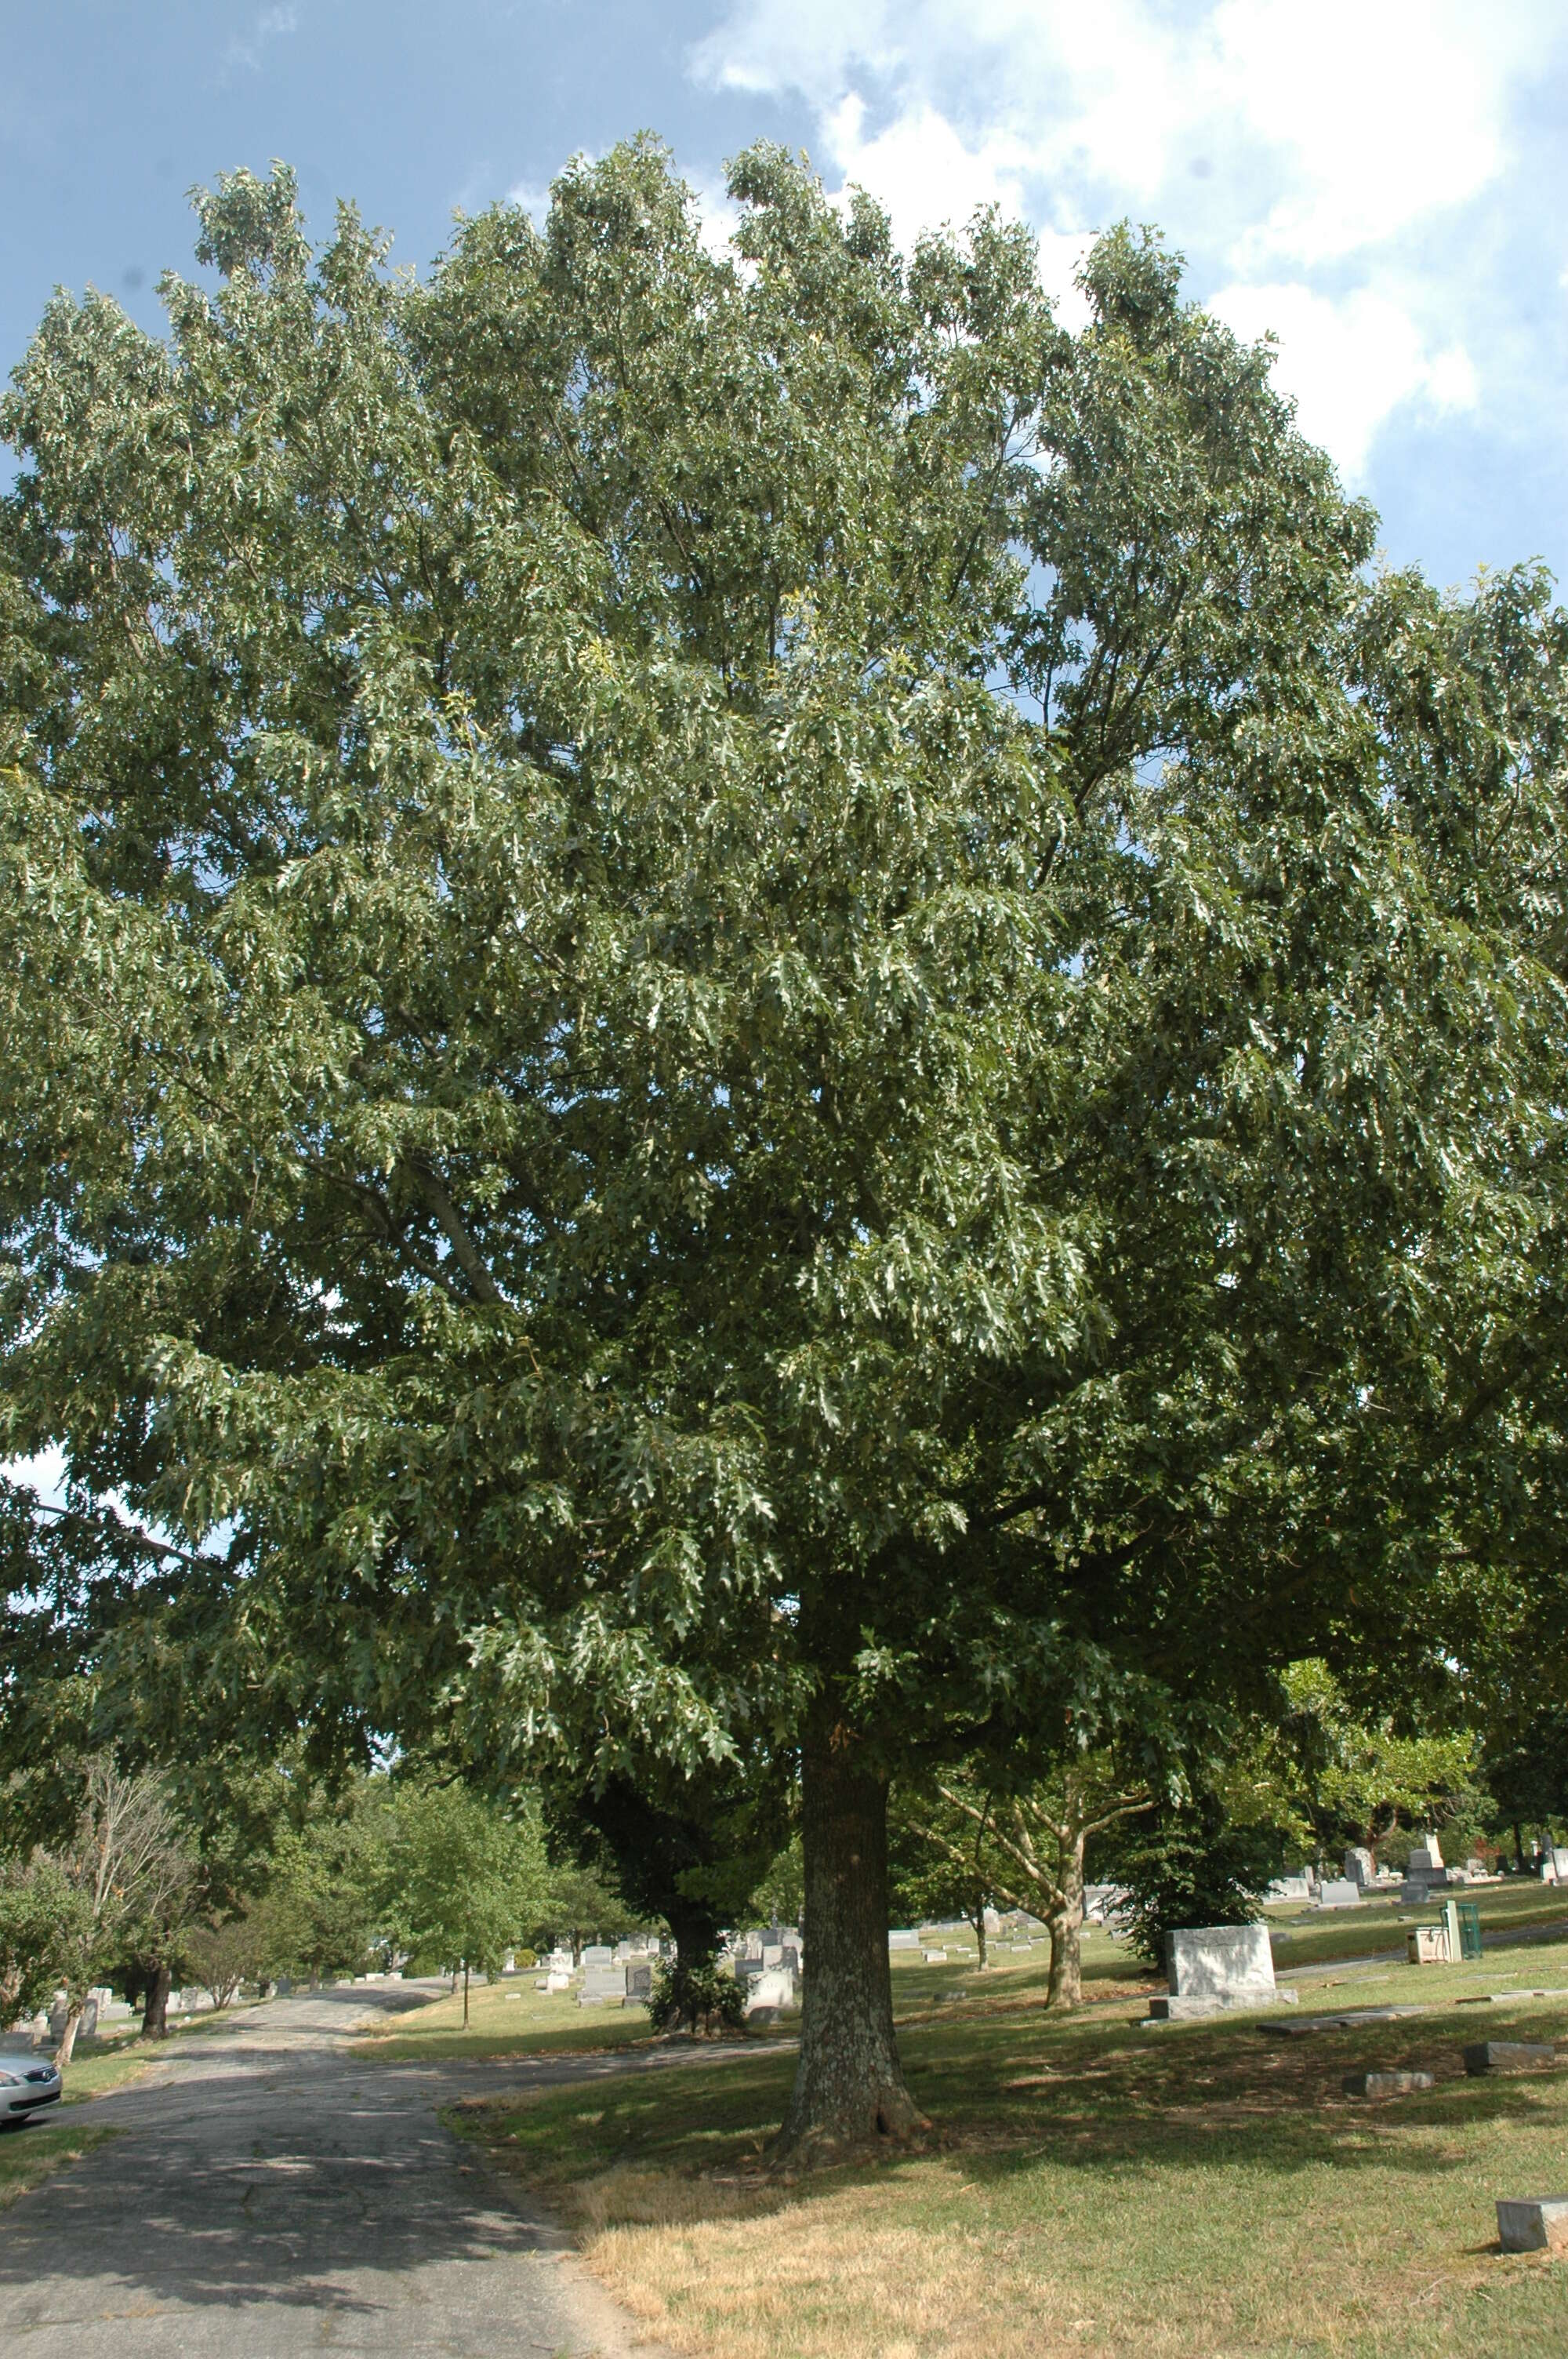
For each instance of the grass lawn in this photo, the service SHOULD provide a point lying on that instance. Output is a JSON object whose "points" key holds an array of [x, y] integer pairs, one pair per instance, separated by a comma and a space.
{"points": [[43, 2148], [1090, 2187], [1301, 1936], [505, 2019]]}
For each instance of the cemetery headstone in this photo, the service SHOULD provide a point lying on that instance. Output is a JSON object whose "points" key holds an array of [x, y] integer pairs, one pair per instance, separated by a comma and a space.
{"points": [[604, 1985], [1536, 2224], [1509, 2056], [1339, 1892], [773, 1988], [1385, 2084], [638, 1980], [1213, 1969], [905, 1938], [1360, 1867], [598, 1953]]}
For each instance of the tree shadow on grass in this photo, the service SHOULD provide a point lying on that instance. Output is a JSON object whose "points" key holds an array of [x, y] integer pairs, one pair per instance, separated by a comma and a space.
{"points": [[680, 2157]]}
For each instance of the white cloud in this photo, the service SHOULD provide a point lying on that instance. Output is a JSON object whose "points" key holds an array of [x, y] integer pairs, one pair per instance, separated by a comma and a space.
{"points": [[919, 167], [531, 198], [1349, 363], [268, 25], [1284, 145]]}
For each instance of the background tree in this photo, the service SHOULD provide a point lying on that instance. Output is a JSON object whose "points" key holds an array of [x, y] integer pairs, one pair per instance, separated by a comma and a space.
{"points": [[44, 1923], [1524, 1764], [584, 1905], [227, 1955], [735, 1006], [1190, 1862], [937, 1862], [463, 1882], [689, 1851], [1356, 1781], [1030, 1843], [129, 1876]]}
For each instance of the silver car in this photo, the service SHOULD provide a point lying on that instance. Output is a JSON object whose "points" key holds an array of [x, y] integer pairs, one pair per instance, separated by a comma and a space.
{"points": [[26, 2088]]}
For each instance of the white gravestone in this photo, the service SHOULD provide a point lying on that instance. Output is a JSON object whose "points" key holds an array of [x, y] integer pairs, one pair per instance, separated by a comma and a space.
{"points": [[904, 1938], [604, 1985], [598, 1953], [773, 1988], [1216, 1967], [1360, 1867], [1338, 1892]]}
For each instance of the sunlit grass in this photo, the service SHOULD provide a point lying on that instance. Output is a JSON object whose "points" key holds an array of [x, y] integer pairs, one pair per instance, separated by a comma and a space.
{"points": [[505, 2019]]}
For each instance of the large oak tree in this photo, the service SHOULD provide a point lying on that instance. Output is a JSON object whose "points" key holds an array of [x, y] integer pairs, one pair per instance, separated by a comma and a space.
{"points": [[731, 1018]]}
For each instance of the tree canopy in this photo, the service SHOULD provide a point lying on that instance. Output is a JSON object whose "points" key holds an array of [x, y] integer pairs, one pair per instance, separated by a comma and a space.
{"points": [[740, 1010]]}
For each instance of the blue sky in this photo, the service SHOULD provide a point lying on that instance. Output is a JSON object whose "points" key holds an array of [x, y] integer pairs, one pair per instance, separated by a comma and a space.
{"points": [[1382, 183]]}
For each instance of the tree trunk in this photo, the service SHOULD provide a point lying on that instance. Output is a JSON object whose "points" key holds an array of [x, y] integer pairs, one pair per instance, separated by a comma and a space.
{"points": [[848, 2086], [1065, 1924], [576, 1947], [155, 2014], [978, 1921], [465, 1994], [696, 1931], [1519, 1847], [68, 2038]]}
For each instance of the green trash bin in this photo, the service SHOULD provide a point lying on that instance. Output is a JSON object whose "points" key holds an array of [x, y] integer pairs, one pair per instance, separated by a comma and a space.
{"points": [[1464, 1930]]}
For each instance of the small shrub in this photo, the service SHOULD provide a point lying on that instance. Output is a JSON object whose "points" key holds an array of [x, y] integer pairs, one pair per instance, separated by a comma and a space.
{"points": [[698, 1999]]}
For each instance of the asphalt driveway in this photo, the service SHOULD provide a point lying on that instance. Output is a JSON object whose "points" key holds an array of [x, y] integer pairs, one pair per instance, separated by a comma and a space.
{"points": [[274, 2194]]}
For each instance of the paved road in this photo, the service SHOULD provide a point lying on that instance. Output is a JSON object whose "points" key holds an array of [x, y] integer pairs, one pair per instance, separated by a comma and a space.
{"points": [[275, 2195]]}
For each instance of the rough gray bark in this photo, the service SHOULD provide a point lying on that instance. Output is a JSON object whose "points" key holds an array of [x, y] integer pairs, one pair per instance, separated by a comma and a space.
{"points": [[848, 2086], [1064, 1922], [155, 2011]]}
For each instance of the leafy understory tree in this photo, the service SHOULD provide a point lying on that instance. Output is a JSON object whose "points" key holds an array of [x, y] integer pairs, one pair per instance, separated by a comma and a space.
{"points": [[1193, 1861], [748, 1006], [463, 1882]]}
